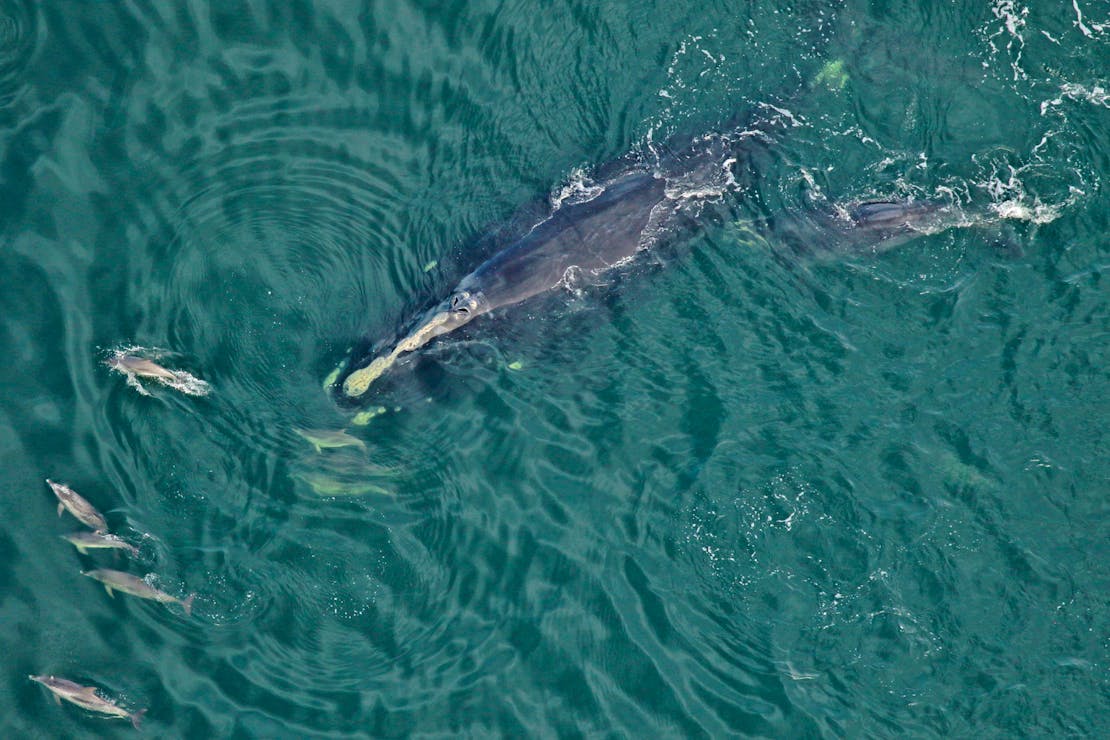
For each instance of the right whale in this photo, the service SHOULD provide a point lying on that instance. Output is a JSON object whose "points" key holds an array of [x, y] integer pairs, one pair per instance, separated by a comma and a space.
{"points": [[630, 208]]}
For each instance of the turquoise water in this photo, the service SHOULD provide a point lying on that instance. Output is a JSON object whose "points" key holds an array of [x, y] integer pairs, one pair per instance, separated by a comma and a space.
{"points": [[728, 490]]}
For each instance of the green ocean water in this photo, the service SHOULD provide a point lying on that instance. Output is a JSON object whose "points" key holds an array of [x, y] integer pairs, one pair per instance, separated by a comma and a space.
{"points": [[735, 488]]}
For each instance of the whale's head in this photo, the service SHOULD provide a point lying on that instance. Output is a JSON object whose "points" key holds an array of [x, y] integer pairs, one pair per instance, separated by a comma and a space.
{"points": [[461, 308]]}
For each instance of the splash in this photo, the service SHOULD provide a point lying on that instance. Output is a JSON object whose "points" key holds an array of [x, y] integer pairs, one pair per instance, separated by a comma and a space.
{"points": [[1096, 95], [1010, 199], [1036, 212], [578, 188]]}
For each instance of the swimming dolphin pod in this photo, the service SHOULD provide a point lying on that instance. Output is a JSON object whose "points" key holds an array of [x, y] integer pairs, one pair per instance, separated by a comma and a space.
{"points": [[620, 214]]}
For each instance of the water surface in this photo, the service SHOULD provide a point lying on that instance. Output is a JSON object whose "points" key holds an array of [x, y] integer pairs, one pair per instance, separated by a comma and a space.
{"points": [[730, 490]]}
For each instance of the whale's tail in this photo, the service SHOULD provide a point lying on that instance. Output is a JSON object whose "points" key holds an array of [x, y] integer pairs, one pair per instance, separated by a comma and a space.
{"points": [[881, 225], [875, 226]]}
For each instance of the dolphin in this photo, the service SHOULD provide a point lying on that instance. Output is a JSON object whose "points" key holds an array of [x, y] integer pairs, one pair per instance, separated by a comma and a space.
{"points": [[85, 541], [134, 365], [115, 580], [625, 212], [87, 697], [76, 504]]}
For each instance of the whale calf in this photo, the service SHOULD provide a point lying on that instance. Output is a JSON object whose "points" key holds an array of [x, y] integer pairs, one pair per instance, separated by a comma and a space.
{"points": [[623, 213]]}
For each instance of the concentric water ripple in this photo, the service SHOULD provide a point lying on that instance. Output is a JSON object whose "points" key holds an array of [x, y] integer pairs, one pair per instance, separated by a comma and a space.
{"points": [[19, 38], [755, 483]]}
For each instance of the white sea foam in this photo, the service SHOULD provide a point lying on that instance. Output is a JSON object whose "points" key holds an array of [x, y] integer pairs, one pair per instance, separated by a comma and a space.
{"points": [[1036, 212], [1096, 95], [1012, 23], [577, 189], [1089, 28]]}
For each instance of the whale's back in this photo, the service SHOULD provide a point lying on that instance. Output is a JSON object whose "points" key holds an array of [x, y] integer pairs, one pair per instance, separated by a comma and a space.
{"points": [[588, 235]]}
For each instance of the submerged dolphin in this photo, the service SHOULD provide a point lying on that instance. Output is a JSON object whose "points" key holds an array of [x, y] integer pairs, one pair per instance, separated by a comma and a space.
{"points": [[625, 213], [87, 697]]}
